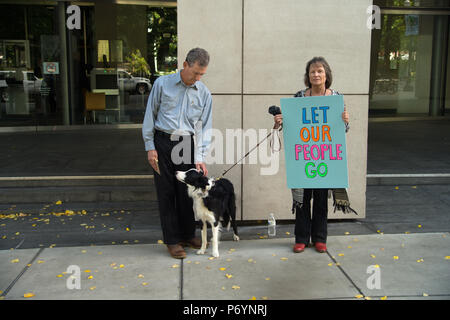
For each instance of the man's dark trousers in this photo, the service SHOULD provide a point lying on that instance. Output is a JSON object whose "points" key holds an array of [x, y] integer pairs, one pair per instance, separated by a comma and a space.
{"points": [[314, 227], [175, 206]]}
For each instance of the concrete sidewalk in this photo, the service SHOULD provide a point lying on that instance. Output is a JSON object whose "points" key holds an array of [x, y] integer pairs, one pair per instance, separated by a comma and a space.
{"points": [[409, 266]]}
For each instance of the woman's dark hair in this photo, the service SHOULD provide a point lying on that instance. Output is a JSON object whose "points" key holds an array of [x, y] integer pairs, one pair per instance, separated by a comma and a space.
{"points": [[326, 66]]}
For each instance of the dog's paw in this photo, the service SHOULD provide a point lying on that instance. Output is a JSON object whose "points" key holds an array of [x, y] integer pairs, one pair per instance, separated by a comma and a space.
{"points": [[201, 251], [215, 254], [235, 237]]}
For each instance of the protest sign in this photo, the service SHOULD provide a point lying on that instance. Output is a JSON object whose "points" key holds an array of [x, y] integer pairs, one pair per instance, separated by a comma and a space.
{"points": [[314, 139]]}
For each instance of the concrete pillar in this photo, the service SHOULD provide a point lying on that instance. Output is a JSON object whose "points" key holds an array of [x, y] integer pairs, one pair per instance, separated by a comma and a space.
{"points": [[259, 49]]}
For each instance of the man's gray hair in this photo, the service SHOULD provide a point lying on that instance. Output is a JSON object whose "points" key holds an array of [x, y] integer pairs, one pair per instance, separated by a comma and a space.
{"points": [[199, 55]]}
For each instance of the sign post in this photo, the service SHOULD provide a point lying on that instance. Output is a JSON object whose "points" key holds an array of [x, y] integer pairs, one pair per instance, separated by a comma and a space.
{"points": [[315, 144]]}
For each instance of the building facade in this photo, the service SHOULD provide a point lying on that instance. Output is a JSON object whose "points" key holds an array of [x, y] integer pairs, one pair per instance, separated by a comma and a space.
{"points": [[87, 63]]}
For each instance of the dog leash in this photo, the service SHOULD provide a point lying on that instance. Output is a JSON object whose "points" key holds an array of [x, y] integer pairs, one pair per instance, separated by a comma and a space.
{"points": [[255, 147]]}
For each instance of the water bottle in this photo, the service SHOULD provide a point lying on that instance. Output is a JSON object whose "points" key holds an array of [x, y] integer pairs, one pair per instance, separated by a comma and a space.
{"points": [[272, 226]]}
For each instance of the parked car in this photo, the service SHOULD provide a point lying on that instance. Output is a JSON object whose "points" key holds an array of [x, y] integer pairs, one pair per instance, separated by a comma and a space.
{"points": [[129, 83], [31, 84], [4, 96]]}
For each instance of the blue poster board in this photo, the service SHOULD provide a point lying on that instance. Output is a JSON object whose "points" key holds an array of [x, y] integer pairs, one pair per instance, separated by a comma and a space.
{"points": [[314, 139]]}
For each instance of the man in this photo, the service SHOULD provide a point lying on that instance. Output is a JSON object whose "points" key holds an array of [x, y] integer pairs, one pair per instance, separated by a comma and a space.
{"points": [[179, 107]]}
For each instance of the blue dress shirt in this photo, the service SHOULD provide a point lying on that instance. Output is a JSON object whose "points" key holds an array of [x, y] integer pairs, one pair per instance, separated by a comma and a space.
{"points": [[175, 108]]}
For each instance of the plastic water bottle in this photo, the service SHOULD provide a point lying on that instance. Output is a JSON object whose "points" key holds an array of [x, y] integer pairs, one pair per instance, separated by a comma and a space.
{"points": [[272, 226]]}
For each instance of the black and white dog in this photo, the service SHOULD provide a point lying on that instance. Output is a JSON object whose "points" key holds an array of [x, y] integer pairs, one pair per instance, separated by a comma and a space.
{"points": [[214, 202]]}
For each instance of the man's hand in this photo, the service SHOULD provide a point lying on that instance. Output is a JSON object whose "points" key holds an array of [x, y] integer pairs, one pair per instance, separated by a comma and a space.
{"points": [[152, 156], [201, 166]]}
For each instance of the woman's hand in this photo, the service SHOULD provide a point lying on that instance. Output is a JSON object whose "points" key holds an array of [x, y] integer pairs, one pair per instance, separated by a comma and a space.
{"points": [[345, 115], [278, 119]]}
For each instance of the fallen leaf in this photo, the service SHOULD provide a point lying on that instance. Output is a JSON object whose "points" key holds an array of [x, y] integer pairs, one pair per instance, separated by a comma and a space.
{"points": [[14, 260], [250, 260], [121, 266], [92, 288], [253, 298], [347, 233], [144, 283], [395, 257], [58, 202], [176, 265], [373, 256], [359, 296], [90, 277], [222, 269], [447, 258], [340, 254], [420, 260], [383, 298], [235, 287], [284, 259], [267, 279], [425, 294], [140, 276], [160, 242], [28, 295], [229, 276], [419, 226]]}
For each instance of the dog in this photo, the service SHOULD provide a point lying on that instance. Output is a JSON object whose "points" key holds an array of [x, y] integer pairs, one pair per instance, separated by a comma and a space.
{"points": [[214, 201]]}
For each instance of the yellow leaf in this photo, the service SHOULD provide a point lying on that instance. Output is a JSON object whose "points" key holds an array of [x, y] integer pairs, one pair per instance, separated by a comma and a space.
{"points": [[347, 233], [373, 256], [264, 298], [92, 288], [359, 296], [144, 283], [425, 294], [368, 298], [128, 229], [160, 242], [28, 295], [140, 276], [90, 277], [253, 298], [87, 270], [222, 269], [228, 276], [447, 258], [349, 247], [235, 287], [14, 260], [267, 279], [59, 276], [288, 233], [340, 254], [284, 259], [395, 257], [383, 298], [250, 260], [175, 265], [330, 264], [121, 266], [58, 202], [419, 226]]}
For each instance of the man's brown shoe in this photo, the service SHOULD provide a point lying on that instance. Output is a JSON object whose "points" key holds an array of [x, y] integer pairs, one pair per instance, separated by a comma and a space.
{"points": [[195, 243], [176, 251]]}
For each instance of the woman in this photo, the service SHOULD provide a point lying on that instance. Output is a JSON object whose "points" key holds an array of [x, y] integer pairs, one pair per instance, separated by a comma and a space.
{"points": [[318, 79]]}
